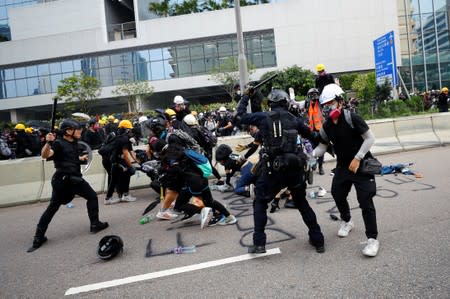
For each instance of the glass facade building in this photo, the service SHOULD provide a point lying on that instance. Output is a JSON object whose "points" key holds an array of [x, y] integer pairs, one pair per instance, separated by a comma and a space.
{"points": [[424, 43], [163, 62]]}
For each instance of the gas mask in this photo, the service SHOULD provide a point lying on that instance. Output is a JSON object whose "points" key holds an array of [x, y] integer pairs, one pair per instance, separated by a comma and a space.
{"points": [[332, 111]]}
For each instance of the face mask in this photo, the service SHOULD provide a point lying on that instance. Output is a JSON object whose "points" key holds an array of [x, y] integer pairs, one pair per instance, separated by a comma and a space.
{"points": [[331, 111], [238, 92]]}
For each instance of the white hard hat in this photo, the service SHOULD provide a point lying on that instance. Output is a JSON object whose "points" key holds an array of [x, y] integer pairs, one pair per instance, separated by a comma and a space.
{"points": [[142, 119], [222, 109], [330, 92], [178, 100], [190, 120]]}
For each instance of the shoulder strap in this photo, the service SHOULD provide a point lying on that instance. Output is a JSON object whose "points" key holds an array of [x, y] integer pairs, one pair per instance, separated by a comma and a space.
{"points": [[348, 118]]}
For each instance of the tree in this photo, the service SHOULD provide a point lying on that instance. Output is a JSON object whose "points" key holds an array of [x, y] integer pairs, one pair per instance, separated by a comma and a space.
{"points": [[346, 81], [186, 7], [365, 86], [134, 91], [227, 73], [79, 91], [296, 77], [162, 9]]}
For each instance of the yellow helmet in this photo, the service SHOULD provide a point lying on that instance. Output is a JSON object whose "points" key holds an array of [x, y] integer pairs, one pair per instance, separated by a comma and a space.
{"points": [[29, 130], [170, 112], [101, 121], [116, 121], [125, 124], [19, 127], [320, 67], [444, 89], [194, 113], [111, 117]]}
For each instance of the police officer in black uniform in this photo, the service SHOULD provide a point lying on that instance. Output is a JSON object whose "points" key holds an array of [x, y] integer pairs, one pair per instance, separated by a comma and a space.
{"points": [[281, 165], [67, 180]]}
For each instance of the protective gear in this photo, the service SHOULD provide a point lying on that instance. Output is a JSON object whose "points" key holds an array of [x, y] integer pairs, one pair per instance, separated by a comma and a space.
{"points": [[190, 120], [223, 152], [170, 113], [320, 67], [313, 94], [178, 100], [125, 124], [330, 92], [29, 130], [222, 109], [444, 89], [157, 125], [109, 247], [278, 96], [142, 119], [19, 127], [92, 122], [194, 113], [111, 118], [240, 147], [69, 124]]}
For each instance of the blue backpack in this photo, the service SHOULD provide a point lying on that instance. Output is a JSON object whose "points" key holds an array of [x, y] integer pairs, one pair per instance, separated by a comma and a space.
{"points": [[200, 161]]}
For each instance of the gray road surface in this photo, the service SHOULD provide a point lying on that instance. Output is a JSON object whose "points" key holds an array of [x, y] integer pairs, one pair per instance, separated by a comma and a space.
{"points": [[413, 262]]}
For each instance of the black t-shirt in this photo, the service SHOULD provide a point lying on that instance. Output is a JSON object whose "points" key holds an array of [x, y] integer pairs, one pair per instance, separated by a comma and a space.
{"points": [[346, 141], [122, 142], [66, 157], [223, 122], [324, 80]]}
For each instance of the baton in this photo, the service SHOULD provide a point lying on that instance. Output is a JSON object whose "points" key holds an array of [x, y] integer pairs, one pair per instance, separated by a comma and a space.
{"points": [[55, 103], [265, 81]]}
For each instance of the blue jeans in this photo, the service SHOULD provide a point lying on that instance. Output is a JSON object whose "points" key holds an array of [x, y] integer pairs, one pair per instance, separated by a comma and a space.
{"points": [[246, 179]]}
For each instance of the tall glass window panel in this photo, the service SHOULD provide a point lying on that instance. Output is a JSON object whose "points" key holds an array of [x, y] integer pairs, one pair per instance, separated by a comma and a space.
{"points": [[169, 70], [55, 68], [225, 48], [210, 50], [10, 87], [9, 74], [440, 5], [105, 76], [31, 71], [415, 6], [155, 54], [182, 51], [168, 53], [198, 66], [142, 72], [33, 86], [89, 65], [104, 61], [140, 56], [45, 85], [211, 63], [419, 77], [67, 66], [269, 58], [255, 59], [20, 72], [43, 69], [267, 42], [253, 44], [3, 14], [196, 51], [76, 65], [157, 69], [117, 59], [234, 46], [22, 90], [184, 67], [122, 73], [426, 6], [55, 82]]}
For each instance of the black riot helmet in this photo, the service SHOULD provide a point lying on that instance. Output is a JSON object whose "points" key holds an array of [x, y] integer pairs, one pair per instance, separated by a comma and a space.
{"points": [[157, 125], [109, 247], [313, 94], [69, 124], [223, 152], [278, 98]]}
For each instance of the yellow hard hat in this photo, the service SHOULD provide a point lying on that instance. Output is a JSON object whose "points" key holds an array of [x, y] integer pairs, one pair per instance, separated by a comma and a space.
{"points": [[194, 113], [19, 127], [101, 121], [320, 67], [111, 117], [444, 89], [29, 130], [125, 124]]}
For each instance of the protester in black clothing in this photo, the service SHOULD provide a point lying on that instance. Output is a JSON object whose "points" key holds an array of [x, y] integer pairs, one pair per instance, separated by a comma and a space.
{"points": [[352, 140], [111, 126], [92, 136], [180, 107], [22, 142], [443, 100], [67, 180], [323, 78], [281, 165], [224, 124]]}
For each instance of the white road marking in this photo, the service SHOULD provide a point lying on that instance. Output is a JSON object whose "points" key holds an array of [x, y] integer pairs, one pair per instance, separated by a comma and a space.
{"points": [[163, 273]]}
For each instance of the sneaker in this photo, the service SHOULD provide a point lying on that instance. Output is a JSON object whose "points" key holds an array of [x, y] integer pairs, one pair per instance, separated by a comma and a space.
{"points": [[257, 249], [111, 200], [128, 198], [204, 216], [319, 248], [98, 226], [345, 228], [37, 242], [166, 215], [215, 219], [371, 248], [322, 192], [228, 220]]}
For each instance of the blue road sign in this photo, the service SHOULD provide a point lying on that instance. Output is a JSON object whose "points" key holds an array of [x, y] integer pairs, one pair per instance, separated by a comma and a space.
{"points": [[385, 61]]}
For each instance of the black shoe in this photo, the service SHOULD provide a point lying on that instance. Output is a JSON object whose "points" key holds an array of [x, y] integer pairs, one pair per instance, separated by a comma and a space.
{"points": [[98, 226], [319, 248], [290, 204], [274, 205], [257, 249], [37, 242], [321, 171]]}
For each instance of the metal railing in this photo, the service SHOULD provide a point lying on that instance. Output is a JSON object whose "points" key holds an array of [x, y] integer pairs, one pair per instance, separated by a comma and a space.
{"points": [[121, 31]]}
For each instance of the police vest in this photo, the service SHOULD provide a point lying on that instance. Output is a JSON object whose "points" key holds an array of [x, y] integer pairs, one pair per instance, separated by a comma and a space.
{"points": [[282, 135]]}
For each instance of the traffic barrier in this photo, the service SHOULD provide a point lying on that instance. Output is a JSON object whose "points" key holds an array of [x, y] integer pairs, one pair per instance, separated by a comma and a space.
{"points": [[27, 180]]}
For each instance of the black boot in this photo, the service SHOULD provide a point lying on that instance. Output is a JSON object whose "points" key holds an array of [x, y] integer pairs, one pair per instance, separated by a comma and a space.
{"points": [[321, 171], [38, 240], [257, 249], [289, 204], [98, 226], [274, 205], [319, 248]]}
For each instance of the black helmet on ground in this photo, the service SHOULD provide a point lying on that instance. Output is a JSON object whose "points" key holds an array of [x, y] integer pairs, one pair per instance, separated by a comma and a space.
{"points": [[69, 124], [223, 152], [109, 247]]}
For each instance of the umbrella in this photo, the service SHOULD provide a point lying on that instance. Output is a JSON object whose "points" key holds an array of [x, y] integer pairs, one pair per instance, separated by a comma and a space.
{"points": [[81, 115]]}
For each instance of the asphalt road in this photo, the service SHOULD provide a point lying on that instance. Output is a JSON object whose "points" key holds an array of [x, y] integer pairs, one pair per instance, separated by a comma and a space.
{"points": [[413, 261]]}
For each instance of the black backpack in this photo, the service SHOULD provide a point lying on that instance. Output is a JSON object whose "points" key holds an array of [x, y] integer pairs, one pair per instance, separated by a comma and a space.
{"points": [[107, 148], [208, 136]]}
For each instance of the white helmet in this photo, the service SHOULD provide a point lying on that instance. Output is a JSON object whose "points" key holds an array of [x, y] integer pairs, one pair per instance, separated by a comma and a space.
{"points": [[190, 120], [330, 92], [142, 119], [178, 100], [222, 109]]}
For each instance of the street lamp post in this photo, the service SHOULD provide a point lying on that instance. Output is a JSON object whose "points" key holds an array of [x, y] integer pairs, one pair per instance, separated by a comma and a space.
{"points": [[243, 72]]}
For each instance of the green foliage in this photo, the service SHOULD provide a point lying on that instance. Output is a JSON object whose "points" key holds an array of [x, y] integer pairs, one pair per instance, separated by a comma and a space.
{"points": [[415, 104], [383, 92], [365, 85], [212, 107], [346, 81], [79, 92], [162, 9], [296, 77], [227, 74], [186, 7], [133, 91]]}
